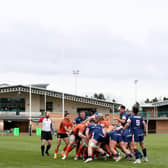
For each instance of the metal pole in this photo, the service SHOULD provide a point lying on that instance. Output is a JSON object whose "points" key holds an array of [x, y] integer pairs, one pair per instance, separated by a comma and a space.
{"points": [[30, 111], [147, 126], [76, 84], [63, 109], [45, 102], [113, 114], [136, 90]]}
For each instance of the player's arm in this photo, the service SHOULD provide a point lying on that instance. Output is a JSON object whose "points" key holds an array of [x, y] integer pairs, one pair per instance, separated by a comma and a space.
{"points": [[87, 133], [68, 130], [127, 124], [80, 134], [120, 120], [144, 126], [41, 120], [53, 128]]}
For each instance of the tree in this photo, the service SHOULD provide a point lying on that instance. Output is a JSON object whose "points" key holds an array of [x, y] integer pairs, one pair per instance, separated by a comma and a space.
{"points": [[155, 100], [113, 100], [101, 96], [95, 96], [147, 101], [165, 98]]}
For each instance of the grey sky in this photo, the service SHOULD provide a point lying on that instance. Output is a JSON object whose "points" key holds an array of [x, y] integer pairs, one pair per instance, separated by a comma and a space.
{"points": [[111, 42]]}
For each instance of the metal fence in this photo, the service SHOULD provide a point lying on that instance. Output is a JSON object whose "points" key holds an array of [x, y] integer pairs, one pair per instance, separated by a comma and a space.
{"points": [[155, 115]]}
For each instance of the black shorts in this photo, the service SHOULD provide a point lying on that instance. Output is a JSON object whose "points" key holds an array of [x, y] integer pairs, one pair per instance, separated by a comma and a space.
{"points": [[62, 135], [76, 136], [46, 135]]}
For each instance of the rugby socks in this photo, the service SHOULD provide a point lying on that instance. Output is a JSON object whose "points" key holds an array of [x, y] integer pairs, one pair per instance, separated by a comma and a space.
{"points": [[116, 155], [108, 150], [64, 149], [144, 152], [48, 147], [89, 156], [68, 150], [79, 151], [104, 154], [84, 155], [137, 154], [42, 149], [56, 151]]}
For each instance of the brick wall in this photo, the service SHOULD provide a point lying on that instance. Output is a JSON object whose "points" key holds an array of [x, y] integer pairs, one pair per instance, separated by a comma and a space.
{"points": [[162, 126], [1, 125]]}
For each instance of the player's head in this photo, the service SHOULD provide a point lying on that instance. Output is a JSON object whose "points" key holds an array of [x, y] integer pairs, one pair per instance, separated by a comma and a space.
{"points": [[82, 114], [98, 117], [122, 109], [67, 115], [107, 117], [92, 121], [135, 109], [47, 114]]}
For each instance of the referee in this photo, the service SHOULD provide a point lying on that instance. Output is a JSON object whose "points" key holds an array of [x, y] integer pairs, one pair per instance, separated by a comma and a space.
{"points": [[46, 135]]}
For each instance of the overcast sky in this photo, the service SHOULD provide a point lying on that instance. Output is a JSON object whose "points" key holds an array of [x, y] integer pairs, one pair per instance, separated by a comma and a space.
{"points": [[111, 42]]}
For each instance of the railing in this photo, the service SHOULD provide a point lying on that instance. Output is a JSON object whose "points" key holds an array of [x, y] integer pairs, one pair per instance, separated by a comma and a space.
{"points": [[155, 115], [18, 115]]}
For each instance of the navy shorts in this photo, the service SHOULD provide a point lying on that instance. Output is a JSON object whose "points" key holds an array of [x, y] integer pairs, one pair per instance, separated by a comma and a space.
{"points": [[98, 137], [115, 136], [138, 137], [127, 136]]}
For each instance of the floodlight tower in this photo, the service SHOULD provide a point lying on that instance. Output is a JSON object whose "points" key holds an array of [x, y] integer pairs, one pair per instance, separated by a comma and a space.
{"points": [[76, 74]]}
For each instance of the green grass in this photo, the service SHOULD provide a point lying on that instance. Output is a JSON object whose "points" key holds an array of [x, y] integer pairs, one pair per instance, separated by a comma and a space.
{"points": [[25, 152]]}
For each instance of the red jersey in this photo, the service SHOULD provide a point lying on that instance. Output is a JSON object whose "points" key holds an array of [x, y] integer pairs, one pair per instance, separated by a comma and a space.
{"points": [[79, 127], [104, 123], [64, 123]]}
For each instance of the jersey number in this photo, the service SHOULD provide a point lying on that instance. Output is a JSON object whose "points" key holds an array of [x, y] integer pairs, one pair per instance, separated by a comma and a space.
{"points": [[137, 122]]}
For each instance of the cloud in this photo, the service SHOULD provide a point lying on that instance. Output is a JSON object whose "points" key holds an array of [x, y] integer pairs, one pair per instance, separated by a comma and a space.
{"points": [[112, 43]]}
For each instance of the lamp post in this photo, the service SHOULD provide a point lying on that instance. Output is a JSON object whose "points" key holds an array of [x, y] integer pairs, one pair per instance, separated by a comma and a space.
{"points": [[136, 90], [76, 73], [30, 111]]}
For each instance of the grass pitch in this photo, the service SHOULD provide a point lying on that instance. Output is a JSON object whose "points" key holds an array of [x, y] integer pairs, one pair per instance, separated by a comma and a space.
{"points": [[25, 152]]}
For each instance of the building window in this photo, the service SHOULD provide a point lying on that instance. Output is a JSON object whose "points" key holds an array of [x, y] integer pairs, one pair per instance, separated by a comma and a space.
{"points": [[12, 104], [49, 106]]}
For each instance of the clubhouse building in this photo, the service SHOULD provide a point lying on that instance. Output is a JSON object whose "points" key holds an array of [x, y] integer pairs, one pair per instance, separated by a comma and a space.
{"points": [[156, 115], [20, 103]]}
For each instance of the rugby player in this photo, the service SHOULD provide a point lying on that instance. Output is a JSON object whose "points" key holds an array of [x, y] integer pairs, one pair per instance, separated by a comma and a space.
{"points": [[138, 128], [64, 130]]}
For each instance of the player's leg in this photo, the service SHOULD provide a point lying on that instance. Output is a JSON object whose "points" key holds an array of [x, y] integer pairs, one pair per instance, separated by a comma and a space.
{"points": [[137, 153], [102, 151], [113, 144], [57, 147], [128, 146], [48, 146], [124, 149], [144, 150], [79, 152], [99, 140], [70, 146], [91, 146], [43, 141], [66, 141]]}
